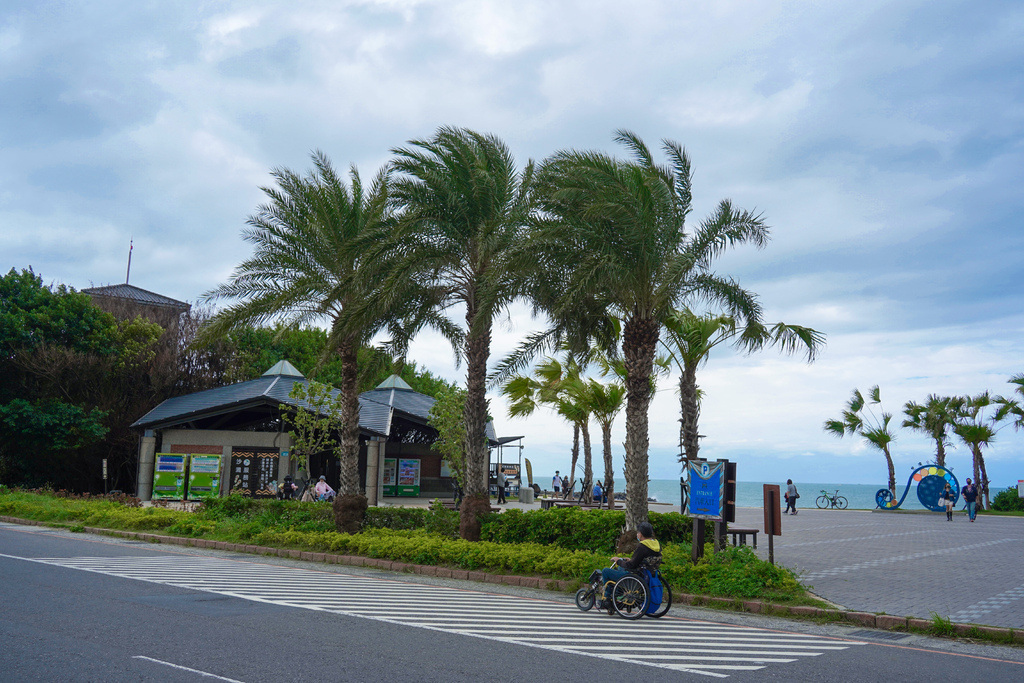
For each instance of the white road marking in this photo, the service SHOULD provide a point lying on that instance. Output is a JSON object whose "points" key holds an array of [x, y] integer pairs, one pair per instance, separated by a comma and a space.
{"points": [[185, 668]]}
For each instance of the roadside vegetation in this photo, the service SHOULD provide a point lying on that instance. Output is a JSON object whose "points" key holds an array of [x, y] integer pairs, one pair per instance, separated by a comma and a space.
{"points": [[557, 544]]}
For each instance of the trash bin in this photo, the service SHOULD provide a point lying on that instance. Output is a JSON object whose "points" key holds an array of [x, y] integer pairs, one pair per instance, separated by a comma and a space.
{"points": [[525, 494]]}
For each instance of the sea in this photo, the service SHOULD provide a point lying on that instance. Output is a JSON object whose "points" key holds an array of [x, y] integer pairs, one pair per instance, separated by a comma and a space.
{"points": [[751, 494]]}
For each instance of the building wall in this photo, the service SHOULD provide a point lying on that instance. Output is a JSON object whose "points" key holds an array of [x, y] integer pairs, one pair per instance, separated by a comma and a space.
{"points": [[214, 441]]}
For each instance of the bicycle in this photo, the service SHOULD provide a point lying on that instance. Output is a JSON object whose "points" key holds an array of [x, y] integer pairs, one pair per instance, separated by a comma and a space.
{"points": [[827, 501]]}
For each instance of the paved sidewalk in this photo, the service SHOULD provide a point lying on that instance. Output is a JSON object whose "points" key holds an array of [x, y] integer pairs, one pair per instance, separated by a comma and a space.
{"points": [[906, 564]]}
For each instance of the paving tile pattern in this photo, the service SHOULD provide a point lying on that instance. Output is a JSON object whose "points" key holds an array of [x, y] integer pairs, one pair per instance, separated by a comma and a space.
{"points": [[906, 564]]}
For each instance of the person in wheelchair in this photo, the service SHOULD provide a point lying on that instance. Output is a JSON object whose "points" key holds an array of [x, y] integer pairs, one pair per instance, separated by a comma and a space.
{"points": [[648, 547]]}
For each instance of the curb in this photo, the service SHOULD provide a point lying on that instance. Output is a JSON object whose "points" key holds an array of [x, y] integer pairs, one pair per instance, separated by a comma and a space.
{"points": [[885, 622]]}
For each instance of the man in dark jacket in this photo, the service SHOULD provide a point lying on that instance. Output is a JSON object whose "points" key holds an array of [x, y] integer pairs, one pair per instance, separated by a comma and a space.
{"points": [[647, 547], [970, 494]]}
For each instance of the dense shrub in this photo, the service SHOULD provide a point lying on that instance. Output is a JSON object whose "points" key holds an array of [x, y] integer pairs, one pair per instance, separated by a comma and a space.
{"points": [[576, 529], [1008, 501], [733, 572]]}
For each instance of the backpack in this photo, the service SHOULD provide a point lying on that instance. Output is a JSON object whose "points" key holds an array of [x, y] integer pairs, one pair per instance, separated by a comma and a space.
{"points": [[655, 591]]}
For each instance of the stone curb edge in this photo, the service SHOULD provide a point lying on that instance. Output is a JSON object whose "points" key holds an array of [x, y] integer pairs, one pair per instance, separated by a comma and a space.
{"points": [[886, 622]]}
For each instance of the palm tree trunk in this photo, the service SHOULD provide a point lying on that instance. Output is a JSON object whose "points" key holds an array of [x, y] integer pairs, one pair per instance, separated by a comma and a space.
{"points": [[478, 344], [639, 343], [892, 471], [976, 452], [983, 482], [689, 409], [588, 465], [940, 453], [348, 447], [575, 458], [609, 470]]}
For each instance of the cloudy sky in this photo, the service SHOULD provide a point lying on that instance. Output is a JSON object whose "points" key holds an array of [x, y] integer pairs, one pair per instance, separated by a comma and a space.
{"points": [[882, 140]]}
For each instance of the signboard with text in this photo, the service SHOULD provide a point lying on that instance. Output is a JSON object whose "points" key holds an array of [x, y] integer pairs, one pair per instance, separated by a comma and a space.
{"points": [[707, 489]]}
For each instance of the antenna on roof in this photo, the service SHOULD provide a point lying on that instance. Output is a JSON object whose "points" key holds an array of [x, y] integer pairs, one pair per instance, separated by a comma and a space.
{"points": [[131, 242]]}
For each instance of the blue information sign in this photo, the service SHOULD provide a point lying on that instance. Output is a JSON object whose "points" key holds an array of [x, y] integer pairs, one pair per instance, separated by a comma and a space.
{"points": [[707, 489]]}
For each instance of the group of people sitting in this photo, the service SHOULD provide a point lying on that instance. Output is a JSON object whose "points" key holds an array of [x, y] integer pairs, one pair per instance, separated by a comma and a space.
{"points": [[322, 491]]}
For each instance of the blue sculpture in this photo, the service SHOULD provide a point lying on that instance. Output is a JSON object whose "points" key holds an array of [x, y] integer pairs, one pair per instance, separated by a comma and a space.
{"points": [[931, 480]]}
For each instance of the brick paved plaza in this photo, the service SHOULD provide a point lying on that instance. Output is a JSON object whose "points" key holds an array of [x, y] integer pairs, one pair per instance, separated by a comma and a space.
{"points": [[906, 564]]}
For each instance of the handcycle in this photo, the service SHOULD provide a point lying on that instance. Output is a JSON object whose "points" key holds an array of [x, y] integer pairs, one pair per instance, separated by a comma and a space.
{"points": [[631, 595], [826, 500]]}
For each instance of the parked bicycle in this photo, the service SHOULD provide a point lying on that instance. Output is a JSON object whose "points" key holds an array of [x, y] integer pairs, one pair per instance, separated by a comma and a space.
{"points": [[831, 501]]}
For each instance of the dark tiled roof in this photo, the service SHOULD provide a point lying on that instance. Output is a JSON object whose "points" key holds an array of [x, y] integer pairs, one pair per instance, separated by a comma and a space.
{"points": [[136, 294]]}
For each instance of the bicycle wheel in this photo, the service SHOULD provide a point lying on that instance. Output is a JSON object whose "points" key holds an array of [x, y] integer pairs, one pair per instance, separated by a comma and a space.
{"points": [[585, 598], [666, 601], [629, 597], [823, 502], [841, 502]]}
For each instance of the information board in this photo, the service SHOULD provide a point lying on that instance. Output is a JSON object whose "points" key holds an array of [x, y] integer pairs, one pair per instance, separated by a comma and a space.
{"points": [[707, 489], [254, 473]]}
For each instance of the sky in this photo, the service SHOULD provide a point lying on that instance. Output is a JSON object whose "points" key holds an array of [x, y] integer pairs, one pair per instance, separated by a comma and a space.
{"points": [[882, 141]]}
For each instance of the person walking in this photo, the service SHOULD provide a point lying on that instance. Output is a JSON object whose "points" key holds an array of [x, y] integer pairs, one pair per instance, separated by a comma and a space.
{"points": [[501, 487], [946, 499], [970, 494], [556, 483], [791, 495]]}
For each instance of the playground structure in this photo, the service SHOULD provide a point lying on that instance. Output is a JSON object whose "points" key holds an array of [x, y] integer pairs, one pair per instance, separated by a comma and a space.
{"points": [[931, 480]]}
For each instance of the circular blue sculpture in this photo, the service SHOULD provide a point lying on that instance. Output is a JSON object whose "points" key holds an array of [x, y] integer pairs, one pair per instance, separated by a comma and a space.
{"points": [[931, 480]]}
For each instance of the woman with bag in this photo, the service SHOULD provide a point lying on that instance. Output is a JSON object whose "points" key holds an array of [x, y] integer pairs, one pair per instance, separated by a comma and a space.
{"points": [[946, 499], [791, 495]]}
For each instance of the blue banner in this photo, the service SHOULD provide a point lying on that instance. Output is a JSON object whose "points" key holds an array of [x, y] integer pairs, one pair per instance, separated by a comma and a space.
{"points": [[707, 489]]}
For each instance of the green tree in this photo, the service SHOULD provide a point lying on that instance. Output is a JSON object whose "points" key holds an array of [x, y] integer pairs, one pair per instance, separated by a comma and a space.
{"points": [[612, 241], [463, 206], [858, 418], [447, 416], [690, 338], [315, 422], [309, 264], [934, 418], [978, 421], [606, 400]]}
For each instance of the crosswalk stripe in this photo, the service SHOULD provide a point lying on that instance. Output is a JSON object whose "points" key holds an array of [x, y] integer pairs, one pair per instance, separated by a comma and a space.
{"points": [[703, 647]]}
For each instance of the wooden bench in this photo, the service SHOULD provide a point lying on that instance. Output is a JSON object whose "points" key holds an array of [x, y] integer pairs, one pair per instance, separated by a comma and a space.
{"points": [[741, 534], [450, 504]]}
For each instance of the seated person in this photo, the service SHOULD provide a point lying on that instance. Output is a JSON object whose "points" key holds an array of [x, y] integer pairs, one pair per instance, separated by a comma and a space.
{"points": [[648, 546], [323, 489], [288, 488], [598, 492]]}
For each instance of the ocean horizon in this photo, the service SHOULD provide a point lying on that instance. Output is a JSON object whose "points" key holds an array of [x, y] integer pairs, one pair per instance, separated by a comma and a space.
{"points": [[751, 494]]}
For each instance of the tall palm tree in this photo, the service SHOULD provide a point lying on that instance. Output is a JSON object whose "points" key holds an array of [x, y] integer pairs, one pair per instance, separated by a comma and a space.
{"points": [[309, 265], [1016, 408], [463, 207], [611, 241], [859, 419], [606, 400], [690, 338], [978, 421], [934, 418]]}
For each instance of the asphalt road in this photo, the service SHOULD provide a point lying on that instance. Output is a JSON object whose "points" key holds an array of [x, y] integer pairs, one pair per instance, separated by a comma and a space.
{"points": [[75, 607]]}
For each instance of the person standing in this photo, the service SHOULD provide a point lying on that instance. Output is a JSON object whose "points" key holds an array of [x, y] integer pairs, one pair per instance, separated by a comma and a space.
{"points": [[791, 495], [501, 487], [556, 483], [946, 499], [970, 494]]}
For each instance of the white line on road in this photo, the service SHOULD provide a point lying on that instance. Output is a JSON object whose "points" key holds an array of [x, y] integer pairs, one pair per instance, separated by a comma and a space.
{"points": [[185, 668]]}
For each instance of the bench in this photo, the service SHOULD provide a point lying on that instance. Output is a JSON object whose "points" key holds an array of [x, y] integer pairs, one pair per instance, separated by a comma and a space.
{"points": [[450, 504], [742, 535]]}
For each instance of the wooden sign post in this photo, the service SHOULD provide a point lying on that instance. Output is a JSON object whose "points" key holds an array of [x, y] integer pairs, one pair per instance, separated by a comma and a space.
{"points": [[772, 517]]}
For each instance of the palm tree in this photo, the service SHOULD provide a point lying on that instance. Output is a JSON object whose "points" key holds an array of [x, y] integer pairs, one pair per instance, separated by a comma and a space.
{"points": [[859, 419], [611, 242], [934, 418], [309, 265], [1016, 408], [463, 207], [606, 400], [977, 427], [689, 340], [560, 387]]}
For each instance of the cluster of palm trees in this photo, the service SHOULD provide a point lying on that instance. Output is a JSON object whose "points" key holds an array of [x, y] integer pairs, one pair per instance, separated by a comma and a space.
{"points": [[974, 420], [598, 245]]}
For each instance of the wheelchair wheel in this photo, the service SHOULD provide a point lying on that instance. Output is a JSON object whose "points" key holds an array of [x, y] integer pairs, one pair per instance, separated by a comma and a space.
{"points": [[629, 597], [585, 598], [666, 601]]}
